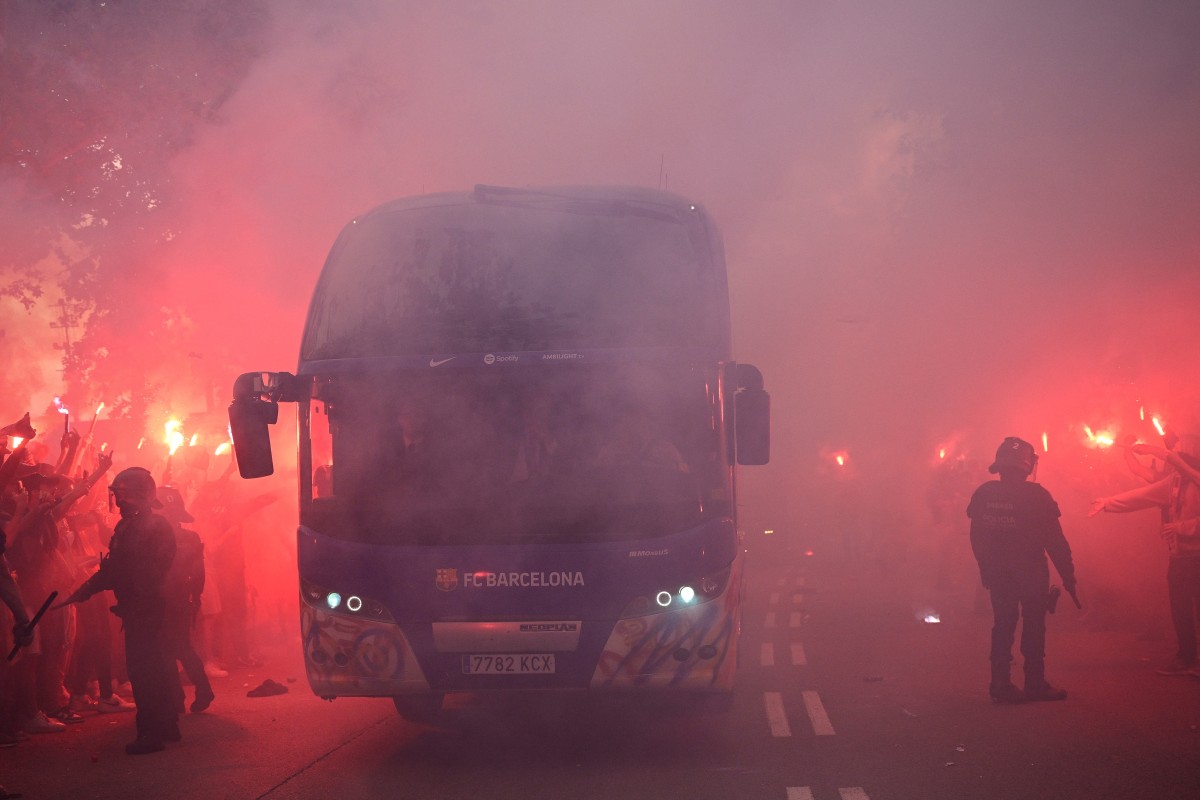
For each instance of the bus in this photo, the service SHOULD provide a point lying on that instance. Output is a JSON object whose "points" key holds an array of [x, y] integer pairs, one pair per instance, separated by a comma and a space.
{"points": [[519, 425]]}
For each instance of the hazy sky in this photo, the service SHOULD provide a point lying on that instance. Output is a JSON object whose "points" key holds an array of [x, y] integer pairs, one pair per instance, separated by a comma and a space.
{"points": [[937, 214]]}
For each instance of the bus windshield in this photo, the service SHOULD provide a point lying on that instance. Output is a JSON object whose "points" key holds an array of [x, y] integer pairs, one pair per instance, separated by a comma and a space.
{"points": [[484, 277], [571, 454]]}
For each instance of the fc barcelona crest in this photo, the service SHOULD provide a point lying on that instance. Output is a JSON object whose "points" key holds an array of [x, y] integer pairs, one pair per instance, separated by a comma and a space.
{"points": [[447, 579]]}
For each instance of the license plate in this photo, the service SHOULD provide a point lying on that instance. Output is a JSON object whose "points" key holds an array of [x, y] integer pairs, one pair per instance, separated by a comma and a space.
{"points": [[509, 664]]}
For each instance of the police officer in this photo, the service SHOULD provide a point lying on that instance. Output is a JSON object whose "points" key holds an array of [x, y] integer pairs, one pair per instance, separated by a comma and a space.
{"points": [[141, 552], [1014, 525], [182, 590]]}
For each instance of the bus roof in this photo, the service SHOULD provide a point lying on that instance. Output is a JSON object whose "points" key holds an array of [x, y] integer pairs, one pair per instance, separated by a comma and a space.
{"points": [[502, 269]]}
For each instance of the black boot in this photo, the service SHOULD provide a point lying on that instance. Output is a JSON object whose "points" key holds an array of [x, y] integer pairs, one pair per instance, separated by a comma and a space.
{"points": [[1043, 691], [1006, 693], [1002, 689], [1036, 687], [203, 699], [144, 744]]}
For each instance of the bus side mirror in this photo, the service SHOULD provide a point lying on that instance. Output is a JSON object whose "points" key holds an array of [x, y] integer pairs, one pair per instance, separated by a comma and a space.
{"points": [[752, 416], [248, 421], [250, 415]]}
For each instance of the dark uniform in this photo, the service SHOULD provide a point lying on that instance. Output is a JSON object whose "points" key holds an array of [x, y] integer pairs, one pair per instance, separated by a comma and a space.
{"points": [[1014, 525], [181, 590], [141, 552]]}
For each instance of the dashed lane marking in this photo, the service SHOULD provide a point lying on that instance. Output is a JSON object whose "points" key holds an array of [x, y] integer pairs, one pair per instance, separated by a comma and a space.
{"points": [[776, 716], [768, 654], [806, 793], [798, 657], [816, 713]]}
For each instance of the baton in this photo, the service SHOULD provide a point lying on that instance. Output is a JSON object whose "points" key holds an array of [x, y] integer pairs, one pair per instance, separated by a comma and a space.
{"points": [[29, 628]]}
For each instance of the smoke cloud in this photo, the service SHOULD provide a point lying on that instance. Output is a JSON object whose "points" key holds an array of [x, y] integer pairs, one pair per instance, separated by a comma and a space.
{"points": [[945, 223]]}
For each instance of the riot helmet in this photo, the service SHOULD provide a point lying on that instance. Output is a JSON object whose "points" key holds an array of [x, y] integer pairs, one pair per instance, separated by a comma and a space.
{"points": [[1015, 454], [134, 491]]}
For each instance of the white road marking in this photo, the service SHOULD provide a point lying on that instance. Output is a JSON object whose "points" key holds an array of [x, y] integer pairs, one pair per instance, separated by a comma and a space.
{"points": [[776, 717], [768, 654], [816, 713], [799, 793], [798, 657], [853, 793], [795, 619], [774, 598], [770, 621]]}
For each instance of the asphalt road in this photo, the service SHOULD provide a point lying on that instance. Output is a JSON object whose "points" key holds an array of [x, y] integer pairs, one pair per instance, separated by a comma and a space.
{"points": [[846, 693]]}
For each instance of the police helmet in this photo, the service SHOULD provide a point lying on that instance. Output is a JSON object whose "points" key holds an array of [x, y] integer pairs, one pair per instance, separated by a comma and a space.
{"points": [[1014, 453], [136, 483]]}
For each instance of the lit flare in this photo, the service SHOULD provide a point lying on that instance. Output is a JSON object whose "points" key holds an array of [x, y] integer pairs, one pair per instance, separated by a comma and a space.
{"points": [[173, 437], [1101, 439]]}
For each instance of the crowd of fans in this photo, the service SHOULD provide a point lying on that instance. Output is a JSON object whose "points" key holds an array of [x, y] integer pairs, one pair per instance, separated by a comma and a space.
{"points": [[66, 664]]}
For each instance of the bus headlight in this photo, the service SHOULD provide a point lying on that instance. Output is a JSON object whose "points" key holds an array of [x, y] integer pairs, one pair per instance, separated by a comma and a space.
{"points": [[350, 605], [688, 594]]}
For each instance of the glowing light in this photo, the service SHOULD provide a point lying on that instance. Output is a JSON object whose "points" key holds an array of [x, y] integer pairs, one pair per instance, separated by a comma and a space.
{"points": [[141, 442], [767, 533], [1142, 413], [222, 449], [1158, 426], [354, 603], [333, 600], [933, 618], [103, 447], [663, 599], [687, 594], [99, 408], [194, 440], [173, 437], [808, 552], [942, 453], [841, 460], [16, 440], [1045, 443], [1101, 439]]}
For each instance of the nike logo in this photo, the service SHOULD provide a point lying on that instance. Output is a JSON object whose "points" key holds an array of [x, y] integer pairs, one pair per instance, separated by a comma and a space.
{"points": [[437, 362]]}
